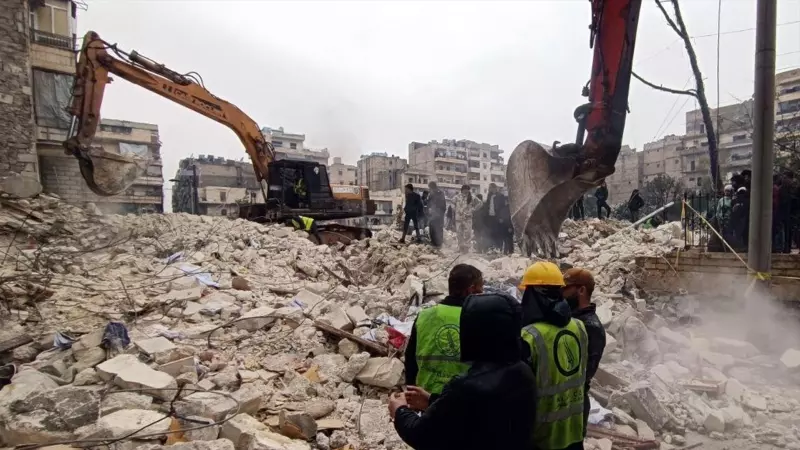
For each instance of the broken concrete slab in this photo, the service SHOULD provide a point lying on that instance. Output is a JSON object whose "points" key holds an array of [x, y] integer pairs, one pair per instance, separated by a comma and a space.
{"points": [[673, 337], [347, 348], [256, 319], [357, 316], [241, 430], [307, 300], [157, 346], [336, 317], [181, 296], [43, 415], [126, 423], [117, 401], [734, 347], [644, 431], [611, 343], [645, 406], [251, 396], [734, 416], [382, 372], [129, 373], [213, 404], [20, 186], [734, 389], [179, 366], [719, 360], [754, 401], [297, 425], [217, 444], [714, 421]]}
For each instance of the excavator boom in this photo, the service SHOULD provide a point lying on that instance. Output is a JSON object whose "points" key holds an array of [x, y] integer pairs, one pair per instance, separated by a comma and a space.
{"points": [[543, 185], [108, 173]]}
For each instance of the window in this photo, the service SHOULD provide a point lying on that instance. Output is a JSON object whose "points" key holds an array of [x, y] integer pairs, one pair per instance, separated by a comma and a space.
{"points": [[223, 197], [340, 173], [702, 128], [277, 144], [484, 155], [51, 92], [293, 146], [658, 164], [223, 212], [704, 144], [699, 181], [691, 166], [116, 129], [51, 19]]}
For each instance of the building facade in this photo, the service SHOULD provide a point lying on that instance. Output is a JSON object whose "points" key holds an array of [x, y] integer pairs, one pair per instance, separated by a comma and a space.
{"points": [[380, 172], [342, 174], [454, 163], [214, 186], [292, 146], [627, 175]]}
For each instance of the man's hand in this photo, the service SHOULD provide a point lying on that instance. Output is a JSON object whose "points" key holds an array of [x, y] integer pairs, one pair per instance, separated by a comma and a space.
{"points": [[417, 398], [396, 400]]}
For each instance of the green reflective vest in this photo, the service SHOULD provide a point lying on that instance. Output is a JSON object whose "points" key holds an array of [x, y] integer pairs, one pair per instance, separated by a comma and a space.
{"points": [[305, 226], [559, 358], [438, 351]]}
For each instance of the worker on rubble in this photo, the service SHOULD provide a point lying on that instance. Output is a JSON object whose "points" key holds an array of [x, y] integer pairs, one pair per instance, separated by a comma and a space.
{"points": [[412, 210], [491, 406], [577, 291], [306, 224], [558, 347], [601, 194], [466, 206], [635, 203], [437, 207], [430, 364]]}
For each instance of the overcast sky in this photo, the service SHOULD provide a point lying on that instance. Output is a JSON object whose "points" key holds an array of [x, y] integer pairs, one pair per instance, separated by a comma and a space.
{"points": [[365, 76]]}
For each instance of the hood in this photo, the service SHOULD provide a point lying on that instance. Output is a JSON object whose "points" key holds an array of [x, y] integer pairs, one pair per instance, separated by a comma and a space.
{"points": [[541, 305], [491, 326]]}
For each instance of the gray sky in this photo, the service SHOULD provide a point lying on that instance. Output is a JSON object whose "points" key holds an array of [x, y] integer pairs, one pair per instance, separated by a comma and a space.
{"points": [[366, 76]]}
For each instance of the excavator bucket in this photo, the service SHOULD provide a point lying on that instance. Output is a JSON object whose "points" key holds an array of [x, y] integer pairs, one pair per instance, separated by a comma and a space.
{"points": [[541, 190], [108, 173]]}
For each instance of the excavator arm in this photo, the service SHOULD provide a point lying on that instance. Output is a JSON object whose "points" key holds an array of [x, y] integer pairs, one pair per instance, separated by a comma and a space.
{"points": [[543, 185], [111, 173]]}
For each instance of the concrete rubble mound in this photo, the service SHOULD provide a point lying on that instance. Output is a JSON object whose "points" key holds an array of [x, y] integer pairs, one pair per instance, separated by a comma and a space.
{"points": [[198, 332]]}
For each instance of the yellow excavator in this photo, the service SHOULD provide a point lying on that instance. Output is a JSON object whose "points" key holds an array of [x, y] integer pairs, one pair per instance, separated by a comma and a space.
{"points": [[543, 185], [290, 188]]}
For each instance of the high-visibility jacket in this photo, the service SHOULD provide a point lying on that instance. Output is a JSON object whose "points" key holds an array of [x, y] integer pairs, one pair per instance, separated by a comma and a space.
{"points": [[438, 351], [559, 356], [300, 187], [306, 224]]}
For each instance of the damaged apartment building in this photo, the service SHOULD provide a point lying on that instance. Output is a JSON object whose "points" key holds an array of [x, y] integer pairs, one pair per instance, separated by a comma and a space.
{"points": [[214, 186], [37, 65]]}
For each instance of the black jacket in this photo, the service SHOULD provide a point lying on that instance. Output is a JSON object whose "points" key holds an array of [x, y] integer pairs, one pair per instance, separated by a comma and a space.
{"points": [[437, 204], [601, 193], [413, 206], [494, 404], [636, 202], [412, 369], [597, 338]]}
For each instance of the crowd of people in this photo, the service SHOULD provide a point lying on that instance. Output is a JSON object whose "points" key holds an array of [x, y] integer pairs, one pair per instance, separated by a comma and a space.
{"points": [[484, 223], [486, 370], [731, 215]]}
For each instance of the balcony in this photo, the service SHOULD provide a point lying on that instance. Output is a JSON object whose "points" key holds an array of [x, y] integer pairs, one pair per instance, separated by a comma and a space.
{"points": [[52, 40]]}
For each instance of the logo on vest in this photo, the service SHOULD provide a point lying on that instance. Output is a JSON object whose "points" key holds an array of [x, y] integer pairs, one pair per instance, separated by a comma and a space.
{"points": [[567, 353], [448, 340]]}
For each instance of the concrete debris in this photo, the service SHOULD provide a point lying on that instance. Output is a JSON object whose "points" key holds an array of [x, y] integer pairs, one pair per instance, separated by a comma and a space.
{"points": [[256, 320]]}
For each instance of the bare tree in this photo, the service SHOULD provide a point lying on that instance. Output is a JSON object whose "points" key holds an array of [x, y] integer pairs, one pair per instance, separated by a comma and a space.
{"points": [[661, 190], [699, 92]]}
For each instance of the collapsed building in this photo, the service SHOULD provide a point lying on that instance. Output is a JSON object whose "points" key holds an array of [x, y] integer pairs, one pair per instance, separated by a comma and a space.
{"points": [[200, 332]]}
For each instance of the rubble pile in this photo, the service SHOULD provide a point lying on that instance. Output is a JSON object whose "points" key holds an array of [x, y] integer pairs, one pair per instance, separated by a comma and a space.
{"points": [[208, 333]]}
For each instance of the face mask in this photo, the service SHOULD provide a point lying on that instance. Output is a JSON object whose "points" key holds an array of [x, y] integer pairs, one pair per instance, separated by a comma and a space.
{"points": [[572, 301]]}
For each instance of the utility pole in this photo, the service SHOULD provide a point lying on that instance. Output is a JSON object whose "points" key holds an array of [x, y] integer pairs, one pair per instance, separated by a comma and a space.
{"points": [[759, 255]]}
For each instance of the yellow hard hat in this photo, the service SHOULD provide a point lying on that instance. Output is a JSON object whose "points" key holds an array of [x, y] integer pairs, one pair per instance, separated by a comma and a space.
{"points": [[542, 273]]}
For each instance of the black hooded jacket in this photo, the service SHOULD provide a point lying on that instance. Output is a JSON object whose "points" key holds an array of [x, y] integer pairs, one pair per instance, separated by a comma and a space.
{"points": [[494, 404], [539, 305]]}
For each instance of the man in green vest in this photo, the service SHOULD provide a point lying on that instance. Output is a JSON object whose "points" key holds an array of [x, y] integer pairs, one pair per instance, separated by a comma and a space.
{"points": [[433, 353], [558, 347], [306, 224]]}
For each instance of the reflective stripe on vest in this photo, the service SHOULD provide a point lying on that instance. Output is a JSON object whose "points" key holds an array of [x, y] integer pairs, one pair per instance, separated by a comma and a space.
{"points": [[560, 381], [438, 351]]}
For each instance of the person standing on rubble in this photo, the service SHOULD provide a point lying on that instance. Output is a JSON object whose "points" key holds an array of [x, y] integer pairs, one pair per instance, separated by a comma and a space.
{"points": [[412, 210], [306, 224], [579, 285], [557, 346], [601, 194], [430, 364], [466, 205], [437, 207], [491, 406], [635, 203]]}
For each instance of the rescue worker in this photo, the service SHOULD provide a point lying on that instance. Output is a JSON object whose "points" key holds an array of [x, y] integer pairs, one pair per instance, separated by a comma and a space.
{"points": [[437, 206], [412, 210], [300, 191], [466, 205], [558, 346], [430, 364], [601, 194], [492, 406], [635, 203], [579, 285], [306, 224]]}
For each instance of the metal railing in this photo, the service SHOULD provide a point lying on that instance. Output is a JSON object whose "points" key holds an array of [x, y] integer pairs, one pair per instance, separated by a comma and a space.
{"points": [[52, 40]]}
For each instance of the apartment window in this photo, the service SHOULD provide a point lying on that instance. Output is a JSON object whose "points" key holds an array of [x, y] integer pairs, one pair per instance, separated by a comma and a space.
{"points": [[223, 212], [51, 19], [277, 144], [691, 166], [223, 197], [702, 128], [340, 173], [658, 164], [699, 181], [293, 146], [51, 94], [484, 155], [118, 129], [704, 144]]}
